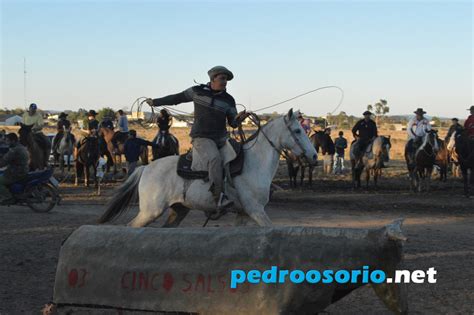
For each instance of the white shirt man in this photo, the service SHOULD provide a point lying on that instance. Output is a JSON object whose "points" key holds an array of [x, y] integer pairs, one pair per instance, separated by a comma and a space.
{"points": [[418, 126]]}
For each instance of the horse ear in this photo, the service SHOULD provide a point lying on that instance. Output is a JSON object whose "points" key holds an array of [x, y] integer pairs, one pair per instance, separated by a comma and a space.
{"points": [[290, 113]]}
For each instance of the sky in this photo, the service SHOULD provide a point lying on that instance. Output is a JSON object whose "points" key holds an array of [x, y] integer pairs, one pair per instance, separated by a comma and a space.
{"points": [[92, 54]]}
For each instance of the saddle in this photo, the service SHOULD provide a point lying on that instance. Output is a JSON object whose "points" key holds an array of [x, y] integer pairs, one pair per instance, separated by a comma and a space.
{"points": [[120, 137], [235, 166]]}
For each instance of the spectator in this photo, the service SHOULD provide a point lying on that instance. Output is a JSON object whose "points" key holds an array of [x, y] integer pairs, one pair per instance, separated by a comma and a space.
{"points": [[132, 150], [341, 145]]}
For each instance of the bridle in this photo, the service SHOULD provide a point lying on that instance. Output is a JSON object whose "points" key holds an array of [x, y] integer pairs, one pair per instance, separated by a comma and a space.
{"points": [[281, 152]]}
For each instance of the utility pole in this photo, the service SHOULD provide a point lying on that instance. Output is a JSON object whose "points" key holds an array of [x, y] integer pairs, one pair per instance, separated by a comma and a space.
{"points": [[24, 81]]}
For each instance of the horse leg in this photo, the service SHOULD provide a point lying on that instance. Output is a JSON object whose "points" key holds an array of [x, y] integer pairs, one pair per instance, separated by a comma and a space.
{"points": [[428, 178], [242, 219], [61, 163], [367, 178], [149, 212], [376, 175], [256, 211], [310, 176], [86, 175], [177, 214], [302, 174]]}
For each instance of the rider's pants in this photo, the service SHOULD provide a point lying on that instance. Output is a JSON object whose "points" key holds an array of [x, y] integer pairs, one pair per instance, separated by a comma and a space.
{"points": [[206, 156], [4, 191]]}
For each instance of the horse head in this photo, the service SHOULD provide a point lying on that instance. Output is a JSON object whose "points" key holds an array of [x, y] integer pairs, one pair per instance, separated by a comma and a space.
{"points": [[294, 138], [431, 139], [25, 133], [318, 140], [386, 146]]}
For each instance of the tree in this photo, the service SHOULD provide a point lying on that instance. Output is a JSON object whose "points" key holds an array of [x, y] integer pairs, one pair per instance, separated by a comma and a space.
{"points": [[105, 112], [381, 109]]}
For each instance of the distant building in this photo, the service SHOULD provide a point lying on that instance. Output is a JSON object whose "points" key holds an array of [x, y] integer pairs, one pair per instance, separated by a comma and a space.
{"points": [[10, 120], [179, 123]]}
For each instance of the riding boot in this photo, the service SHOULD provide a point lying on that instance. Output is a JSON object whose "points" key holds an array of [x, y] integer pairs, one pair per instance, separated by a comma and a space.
{"points": [[222, 203]]}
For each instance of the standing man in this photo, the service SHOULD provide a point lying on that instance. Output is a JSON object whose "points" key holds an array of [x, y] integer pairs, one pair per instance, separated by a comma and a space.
{"points": [[132, 149], [213, 107], [16, 161], [469, 123], [364, 131], [33, 117], [341, 145], [417, 128]]}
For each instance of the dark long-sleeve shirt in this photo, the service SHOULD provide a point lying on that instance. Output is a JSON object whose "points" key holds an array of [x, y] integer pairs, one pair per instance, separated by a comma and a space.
{"points": [[211, 110], [16, 161], [365, 129], [63, 124], [341, 145], [132, 148], [164, 123]]}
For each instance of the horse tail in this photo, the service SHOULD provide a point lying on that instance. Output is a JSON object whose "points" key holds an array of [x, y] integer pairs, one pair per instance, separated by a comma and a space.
{"points": [[126, 194]]}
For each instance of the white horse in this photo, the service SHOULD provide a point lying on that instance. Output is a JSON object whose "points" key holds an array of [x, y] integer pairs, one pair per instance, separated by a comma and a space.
{"points": [[66, 147], [159, 187]]}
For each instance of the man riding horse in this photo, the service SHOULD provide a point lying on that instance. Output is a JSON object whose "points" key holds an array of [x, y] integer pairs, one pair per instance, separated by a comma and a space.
{"points": [[469, 123], [364, 132], [123, 133], [212, 107], [417, 128], [63, 125]]}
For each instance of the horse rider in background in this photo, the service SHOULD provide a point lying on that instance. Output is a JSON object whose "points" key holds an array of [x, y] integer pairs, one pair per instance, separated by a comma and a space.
{"points": [[305, 123], [456, 127], [364, 132], [33, 117], [417, 128], [92, 123], [164, 122], [213, 106], [62, 125], [469, 123]]}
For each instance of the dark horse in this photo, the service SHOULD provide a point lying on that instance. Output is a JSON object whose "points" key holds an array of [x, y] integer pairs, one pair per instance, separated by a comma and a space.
{"points": [[167, 145], [38, 145], [294, 163], [465, 153], [421, 162], [87, 156]]}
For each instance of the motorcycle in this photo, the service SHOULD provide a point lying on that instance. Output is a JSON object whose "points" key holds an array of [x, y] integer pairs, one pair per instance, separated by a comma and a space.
{"points": [[39, 191]]}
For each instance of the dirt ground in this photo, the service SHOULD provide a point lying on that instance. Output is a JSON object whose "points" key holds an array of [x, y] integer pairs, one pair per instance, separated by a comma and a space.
{"points": [[439, 226]]}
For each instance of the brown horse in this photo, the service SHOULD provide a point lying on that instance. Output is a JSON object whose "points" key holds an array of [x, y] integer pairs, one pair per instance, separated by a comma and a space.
{"points": [[38, 145], [108, 135], [442, 160]]}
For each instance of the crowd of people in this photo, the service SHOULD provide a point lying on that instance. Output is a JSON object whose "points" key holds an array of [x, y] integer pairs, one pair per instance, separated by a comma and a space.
{"points": [[214, 108]]}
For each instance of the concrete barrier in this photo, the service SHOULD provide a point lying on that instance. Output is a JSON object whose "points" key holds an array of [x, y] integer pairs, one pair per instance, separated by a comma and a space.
{"points": [[102, 269]]}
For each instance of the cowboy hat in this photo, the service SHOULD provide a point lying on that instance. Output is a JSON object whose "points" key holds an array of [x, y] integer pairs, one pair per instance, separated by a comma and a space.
{"points": [[472, 108], [63, 114], [367, 113], [220, 70], [419, 111], [92, 113]]}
